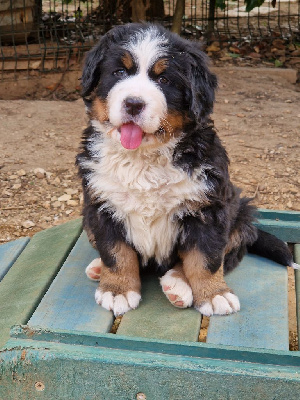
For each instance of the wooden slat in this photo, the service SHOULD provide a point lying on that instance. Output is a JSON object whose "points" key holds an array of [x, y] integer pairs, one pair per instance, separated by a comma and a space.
{"points": [[9, 252], [261, 286], [68, 371], [157, 318], [70, 303], [297, 284], [27, 280], [283, 224]]}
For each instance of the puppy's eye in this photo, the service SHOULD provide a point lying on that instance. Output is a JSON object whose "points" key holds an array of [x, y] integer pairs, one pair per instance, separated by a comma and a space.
{"points": [[162, 80], [120, 73]]}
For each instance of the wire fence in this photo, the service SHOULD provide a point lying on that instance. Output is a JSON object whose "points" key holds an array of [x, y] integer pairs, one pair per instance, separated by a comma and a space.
{"points": [[49, 35]]}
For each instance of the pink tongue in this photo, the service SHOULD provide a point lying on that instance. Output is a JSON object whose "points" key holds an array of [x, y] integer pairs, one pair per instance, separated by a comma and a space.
{"points": [[131, 136]]}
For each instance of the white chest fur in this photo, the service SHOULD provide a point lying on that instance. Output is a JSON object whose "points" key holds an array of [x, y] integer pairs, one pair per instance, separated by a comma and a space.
{"points": [[145, 191]]}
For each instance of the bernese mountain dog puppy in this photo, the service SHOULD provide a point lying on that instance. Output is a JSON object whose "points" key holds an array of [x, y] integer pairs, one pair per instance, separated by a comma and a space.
{"points": [[157, 191]]}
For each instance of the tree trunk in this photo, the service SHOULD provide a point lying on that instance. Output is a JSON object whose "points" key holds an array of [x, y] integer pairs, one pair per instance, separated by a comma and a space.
{"points": [[211, 19], [139, 9], [178, 16], [156, 10]]}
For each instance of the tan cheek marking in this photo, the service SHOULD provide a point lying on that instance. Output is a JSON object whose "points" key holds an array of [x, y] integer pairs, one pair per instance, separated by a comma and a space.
{"points": [[172, 126], [204, 284], [127, 60], [160, 66], [125, 275], [99, 110]]}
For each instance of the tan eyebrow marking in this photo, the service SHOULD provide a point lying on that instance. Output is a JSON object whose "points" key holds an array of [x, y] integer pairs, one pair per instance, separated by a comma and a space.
{"points": [[127, 60], [160, 66]]}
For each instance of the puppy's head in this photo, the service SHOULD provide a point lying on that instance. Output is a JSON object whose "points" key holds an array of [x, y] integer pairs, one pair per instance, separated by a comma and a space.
{"points": [[146, 84]]}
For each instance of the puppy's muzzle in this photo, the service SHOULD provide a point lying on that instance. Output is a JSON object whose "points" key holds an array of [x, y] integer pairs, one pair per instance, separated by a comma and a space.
{"points": [[134, 105]]}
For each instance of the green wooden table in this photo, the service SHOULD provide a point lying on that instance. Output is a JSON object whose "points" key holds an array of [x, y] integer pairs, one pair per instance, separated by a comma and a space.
{"points": [[57, 342]]}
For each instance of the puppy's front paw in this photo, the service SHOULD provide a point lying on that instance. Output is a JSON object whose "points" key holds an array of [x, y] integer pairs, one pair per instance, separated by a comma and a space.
{"points": [[93, 270], [120, 303], [226, 304], [178, 292]]}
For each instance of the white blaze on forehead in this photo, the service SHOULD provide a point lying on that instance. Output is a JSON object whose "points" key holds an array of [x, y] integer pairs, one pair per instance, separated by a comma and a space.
{"points": [[146, 47]]}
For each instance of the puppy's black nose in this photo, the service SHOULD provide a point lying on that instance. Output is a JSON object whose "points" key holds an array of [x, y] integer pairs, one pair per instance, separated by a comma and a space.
{"points": [[134, 105]]}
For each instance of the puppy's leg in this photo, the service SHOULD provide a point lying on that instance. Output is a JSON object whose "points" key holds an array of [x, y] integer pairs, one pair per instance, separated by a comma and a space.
{"points": [[210, 292], [120, 286], [176, 287]]}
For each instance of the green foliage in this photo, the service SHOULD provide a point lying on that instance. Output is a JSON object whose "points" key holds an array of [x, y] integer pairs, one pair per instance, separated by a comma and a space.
{"points": [[221, 4], [278, 63], [250, 4], [233, 55]]}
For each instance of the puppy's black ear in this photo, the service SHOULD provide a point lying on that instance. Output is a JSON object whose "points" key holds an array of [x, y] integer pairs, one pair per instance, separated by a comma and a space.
{"points": [[91, 69], [201, 84]]}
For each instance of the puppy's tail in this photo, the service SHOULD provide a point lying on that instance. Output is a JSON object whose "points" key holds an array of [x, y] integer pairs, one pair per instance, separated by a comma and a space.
{"points": [[269, 246]]}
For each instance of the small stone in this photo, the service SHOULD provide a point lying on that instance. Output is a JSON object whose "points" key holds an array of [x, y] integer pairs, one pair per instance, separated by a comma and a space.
{"points": [[64, 197], [289, 204], [13, 177], [28, 224], [71, 191], [68, 212], [72, 203], [225, 120], [16, 186], [226, 101], [288, 101], [57, 180], [56, 204], [29, 115], [21, 172], [39, 173]]}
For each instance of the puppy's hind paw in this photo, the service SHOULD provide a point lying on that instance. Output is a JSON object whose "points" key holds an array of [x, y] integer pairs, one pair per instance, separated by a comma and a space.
{"points": [[178, 292], [93, 270]]}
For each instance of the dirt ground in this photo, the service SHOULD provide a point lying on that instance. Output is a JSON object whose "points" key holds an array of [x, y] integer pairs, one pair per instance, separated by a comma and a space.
{"points": [[257, 116]]}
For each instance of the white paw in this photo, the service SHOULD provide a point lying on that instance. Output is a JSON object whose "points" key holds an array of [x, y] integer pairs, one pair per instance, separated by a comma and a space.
{"points": [[178, 292], [93, 270], [120, 303], [226, 304]]}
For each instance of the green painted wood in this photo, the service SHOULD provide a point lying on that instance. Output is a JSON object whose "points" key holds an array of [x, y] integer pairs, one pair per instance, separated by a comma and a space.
{"points": [[69, 302], [261, 286], [9, 252], [157, 318], [187, 349], [279, 215], [26, 282], [43, 370], [297, 285], [283, 224]]}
